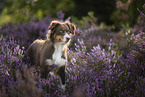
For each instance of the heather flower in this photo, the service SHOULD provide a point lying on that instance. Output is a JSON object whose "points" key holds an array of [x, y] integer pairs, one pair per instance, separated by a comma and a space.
{"points": [[60, 15]]}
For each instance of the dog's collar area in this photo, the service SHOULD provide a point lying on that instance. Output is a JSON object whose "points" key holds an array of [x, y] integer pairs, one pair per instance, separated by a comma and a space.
{"points": [[60, 45], [57, 55]]}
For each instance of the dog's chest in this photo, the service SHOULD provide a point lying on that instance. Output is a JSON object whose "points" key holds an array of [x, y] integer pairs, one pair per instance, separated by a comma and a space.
{"points": [[57, 55]]}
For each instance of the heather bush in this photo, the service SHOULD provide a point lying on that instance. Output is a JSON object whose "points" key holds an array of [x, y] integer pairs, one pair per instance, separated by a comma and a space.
{"points": [[25, 34], [100, 63], [10, 56], [98, 69], [106, 72]]}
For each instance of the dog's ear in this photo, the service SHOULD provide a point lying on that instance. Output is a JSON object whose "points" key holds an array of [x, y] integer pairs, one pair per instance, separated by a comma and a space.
{"points": [[53, 25], [72, 27]]}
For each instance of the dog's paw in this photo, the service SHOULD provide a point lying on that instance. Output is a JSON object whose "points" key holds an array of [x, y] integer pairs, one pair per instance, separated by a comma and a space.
{"points": [[63, 88], [49, 62], [62, 62]]}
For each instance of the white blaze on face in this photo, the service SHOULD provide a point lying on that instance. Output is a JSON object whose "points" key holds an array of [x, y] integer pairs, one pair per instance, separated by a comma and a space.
{"points": [[66, 36]]}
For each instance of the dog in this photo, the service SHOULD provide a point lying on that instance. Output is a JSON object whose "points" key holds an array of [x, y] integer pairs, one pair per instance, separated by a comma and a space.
{"points": [[51, 54]]}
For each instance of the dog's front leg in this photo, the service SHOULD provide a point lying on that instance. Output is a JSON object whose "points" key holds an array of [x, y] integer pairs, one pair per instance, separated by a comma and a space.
{"points": [[45, 67], [61, 73]]}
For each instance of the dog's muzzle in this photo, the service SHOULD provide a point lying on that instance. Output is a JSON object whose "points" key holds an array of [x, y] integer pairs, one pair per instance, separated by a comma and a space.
{"points": [[67, 39]]}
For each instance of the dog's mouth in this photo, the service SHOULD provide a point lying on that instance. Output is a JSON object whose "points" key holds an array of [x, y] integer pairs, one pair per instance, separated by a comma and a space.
{"points": [[64, 41]]}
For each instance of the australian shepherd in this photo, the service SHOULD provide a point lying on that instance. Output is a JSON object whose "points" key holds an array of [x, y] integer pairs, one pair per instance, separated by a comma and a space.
{"points": [[51, 54]]}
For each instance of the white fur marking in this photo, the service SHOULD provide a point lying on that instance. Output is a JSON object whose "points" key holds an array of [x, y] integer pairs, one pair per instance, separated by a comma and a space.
{"points": [[66, 36], [56, 57]]}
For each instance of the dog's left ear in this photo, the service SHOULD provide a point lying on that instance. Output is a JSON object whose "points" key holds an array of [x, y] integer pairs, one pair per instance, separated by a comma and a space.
{"points": [[53, 25], [72, 27]]}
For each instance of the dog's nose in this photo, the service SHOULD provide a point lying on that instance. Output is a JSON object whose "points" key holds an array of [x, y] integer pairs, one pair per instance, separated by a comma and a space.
{"points": [[67, 39]]}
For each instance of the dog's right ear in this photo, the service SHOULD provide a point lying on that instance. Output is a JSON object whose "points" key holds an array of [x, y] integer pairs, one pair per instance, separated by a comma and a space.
{"points": [[53, 25]]}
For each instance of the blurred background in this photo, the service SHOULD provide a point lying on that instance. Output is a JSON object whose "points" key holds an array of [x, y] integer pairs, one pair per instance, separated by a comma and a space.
{"points": [[110, 12]]}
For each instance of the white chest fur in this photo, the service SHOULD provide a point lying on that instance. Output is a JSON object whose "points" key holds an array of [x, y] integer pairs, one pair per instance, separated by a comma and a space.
{"points": [[57, 55]]}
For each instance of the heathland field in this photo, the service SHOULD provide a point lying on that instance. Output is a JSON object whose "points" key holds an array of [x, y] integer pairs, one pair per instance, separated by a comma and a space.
{"points": [[102, 61]]}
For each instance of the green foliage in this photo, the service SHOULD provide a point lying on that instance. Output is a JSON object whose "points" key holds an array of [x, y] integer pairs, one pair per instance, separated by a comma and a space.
{"points": [[126, 12], [23, 10], [65, 5], [88, 21], [4, 18], [22, 16], [51, 6], [105, 11], [120, 15]]}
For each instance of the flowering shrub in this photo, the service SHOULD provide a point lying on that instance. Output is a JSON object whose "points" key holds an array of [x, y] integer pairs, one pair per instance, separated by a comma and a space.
{"points": [[96, 65], [25, 34], [10, 55]]}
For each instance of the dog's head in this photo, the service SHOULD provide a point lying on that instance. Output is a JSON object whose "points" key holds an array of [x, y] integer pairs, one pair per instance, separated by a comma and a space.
{"points": [[61, 31]]}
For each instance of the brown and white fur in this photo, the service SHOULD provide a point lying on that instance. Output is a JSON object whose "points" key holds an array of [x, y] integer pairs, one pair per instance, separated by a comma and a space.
{"points": [[51, 54]]}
